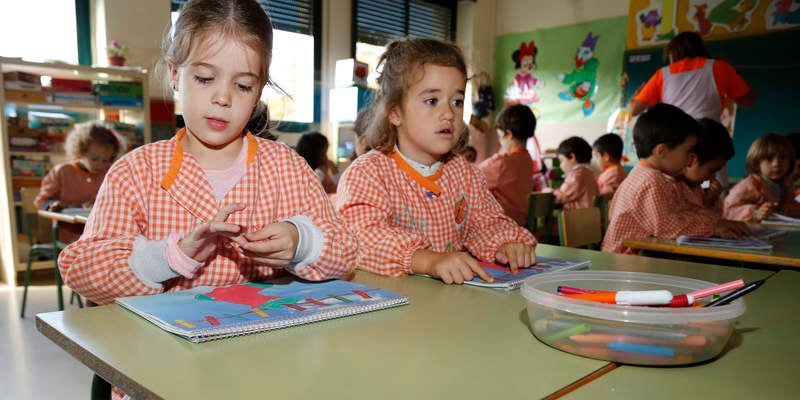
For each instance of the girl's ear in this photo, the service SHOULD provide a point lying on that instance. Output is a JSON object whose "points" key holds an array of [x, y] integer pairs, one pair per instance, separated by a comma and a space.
{"points": [[693, 160], [395, 116], [173, 77]]}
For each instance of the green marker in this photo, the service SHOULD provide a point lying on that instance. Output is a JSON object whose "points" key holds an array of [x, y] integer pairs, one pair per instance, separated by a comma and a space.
{"points": [[573, 330]]}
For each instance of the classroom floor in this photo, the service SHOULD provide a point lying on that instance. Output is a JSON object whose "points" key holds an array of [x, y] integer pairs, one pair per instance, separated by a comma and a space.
{"points": [[33, 366]]}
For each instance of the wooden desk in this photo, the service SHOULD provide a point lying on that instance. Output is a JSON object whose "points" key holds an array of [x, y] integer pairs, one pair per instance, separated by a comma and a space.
{"points": [[451, 342], [785, 252], [757, 364], [78, 217]]}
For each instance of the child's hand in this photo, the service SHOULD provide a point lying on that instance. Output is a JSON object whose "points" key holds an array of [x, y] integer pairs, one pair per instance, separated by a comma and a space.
{"points": [[516, 255], [55, 206], [764, 211], [273, 246], [454, 267], [202, 242], [87, 204], [732, 229]]}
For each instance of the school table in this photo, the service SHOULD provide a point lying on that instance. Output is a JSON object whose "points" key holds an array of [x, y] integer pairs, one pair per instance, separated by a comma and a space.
{"points": [[759, 362], [785, 251], [452, 341]]}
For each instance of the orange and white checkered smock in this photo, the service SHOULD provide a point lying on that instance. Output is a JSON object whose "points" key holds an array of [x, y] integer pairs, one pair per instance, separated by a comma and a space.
{"points": [[578, 190], [609, 180], [393, 215], [649, 203], [157, 190]]}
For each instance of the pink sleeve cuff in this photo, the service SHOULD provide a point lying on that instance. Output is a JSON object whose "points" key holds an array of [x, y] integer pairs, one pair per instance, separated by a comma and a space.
{"points": [[179, 262]]}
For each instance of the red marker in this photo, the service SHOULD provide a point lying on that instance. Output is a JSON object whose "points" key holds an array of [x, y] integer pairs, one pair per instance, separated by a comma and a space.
{"points": [[685, 300]]}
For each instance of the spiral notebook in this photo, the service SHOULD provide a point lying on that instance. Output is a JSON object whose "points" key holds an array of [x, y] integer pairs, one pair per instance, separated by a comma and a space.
{"points": [[208, 313], [503, 279], [746, 243]]}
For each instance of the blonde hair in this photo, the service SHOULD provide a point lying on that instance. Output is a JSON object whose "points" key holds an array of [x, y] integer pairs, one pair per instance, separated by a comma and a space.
{"points": [[243, 21], [400, 63], [85, 134], [768, 147]]}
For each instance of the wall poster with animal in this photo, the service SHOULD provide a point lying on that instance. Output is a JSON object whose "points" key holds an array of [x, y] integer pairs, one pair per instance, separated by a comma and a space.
{"points": [[564, 74], [656, 22]]}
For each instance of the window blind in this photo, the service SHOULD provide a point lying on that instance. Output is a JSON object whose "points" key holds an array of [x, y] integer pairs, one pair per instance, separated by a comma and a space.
{"points": [[379, 21], [287, 15]]}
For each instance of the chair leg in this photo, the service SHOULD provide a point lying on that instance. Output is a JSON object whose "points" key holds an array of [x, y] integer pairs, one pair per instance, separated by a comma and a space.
{"points": [[101, 389], [76, 297], [59, 283], [27, 283]]}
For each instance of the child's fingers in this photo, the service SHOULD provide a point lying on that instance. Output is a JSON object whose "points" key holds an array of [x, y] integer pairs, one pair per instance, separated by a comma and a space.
{"points": [[227, 210], [477, 269]]}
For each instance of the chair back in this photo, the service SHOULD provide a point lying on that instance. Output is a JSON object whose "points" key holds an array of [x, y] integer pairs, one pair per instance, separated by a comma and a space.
{"points": [[540, 211], [581, 227], [603, 203], [29, 218]]}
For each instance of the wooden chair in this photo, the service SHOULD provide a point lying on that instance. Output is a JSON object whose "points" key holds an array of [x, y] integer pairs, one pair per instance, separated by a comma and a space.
{"points": [[47, 251], [540, 215], [603, 203], [577, 228]]}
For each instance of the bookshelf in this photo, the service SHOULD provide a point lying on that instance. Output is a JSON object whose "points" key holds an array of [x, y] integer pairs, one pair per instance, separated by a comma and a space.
{"points": [[38, 104]]}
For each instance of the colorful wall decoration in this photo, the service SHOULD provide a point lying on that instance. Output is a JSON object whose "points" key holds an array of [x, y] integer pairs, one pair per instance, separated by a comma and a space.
{"points": [[656, 22], [564, 74]]}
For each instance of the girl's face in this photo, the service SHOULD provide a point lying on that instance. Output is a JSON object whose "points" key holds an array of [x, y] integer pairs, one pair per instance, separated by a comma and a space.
{"points": [[774, 168], [218, 86], [430, 119], [98, 158]]}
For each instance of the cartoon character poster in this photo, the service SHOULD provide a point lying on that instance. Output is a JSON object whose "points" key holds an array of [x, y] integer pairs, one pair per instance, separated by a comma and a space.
{"points": [[522, 90], [580, 64], [583, 78], [656, 22]]}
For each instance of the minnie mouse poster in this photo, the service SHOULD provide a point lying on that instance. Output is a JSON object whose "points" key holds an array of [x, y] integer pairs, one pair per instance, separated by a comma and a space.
{"points": [[521, 89]]}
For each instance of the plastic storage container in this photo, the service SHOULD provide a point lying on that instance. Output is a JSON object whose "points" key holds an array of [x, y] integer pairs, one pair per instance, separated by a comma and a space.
{"points": [[627, 334]]}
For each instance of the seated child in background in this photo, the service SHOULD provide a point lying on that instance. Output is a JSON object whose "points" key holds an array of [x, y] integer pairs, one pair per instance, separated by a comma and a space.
{"points": [[713, 150], [607, 149], [92, 146], [579, 188], [508, 171], [412, 204], [313, 146], [360, 126], [765, 189], [647, 202]]}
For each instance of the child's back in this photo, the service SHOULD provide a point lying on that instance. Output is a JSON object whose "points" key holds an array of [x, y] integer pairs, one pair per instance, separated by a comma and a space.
{"points": [[647, 202], [579, 188]]}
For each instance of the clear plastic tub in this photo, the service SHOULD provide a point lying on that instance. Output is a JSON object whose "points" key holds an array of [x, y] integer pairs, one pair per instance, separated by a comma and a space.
{"points": [[627, 334]]}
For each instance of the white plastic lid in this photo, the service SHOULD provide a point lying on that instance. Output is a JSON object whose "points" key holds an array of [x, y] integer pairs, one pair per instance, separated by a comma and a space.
{"points": [[541, 289]]}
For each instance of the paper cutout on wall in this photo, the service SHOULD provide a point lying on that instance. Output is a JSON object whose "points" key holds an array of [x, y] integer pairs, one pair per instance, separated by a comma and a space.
{"points": [[655, 22], [583, 78], [522, 90]]}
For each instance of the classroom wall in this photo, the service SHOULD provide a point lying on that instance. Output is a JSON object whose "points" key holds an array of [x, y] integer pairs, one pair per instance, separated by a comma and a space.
{"points": [[515, 16]]}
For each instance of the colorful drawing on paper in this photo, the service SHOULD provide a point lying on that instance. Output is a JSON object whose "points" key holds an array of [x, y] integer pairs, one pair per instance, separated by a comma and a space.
{"points": [[522, 90], [728, 15], [656, 22], [583, 78], [206, 307], [782, 14]]}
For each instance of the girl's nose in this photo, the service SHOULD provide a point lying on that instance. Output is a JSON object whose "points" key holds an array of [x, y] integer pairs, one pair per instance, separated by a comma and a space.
{"points": [[222, 98]]}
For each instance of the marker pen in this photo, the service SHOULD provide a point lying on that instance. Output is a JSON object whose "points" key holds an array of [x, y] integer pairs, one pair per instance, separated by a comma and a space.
{"points": [[626, 297], [573, 290], [648, 349], [557, 325], [699, 294], [736, 294]]}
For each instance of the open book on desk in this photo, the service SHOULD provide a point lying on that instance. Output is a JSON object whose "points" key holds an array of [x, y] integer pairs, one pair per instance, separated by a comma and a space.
{"points": [[208, 313], [503, 279], [780, 219], [747, 243]]}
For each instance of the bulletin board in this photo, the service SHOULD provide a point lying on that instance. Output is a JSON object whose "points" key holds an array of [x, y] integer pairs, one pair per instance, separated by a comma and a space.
{"points": [[770, 64]]}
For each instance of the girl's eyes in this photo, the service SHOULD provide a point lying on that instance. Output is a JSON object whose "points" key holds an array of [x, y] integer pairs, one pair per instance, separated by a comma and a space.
{"points": [[206, 81], [458, 103]]}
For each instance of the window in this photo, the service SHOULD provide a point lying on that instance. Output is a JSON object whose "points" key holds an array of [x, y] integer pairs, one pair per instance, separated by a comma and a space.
{"points": [[377, 22], [295, 58], [53, 35]]}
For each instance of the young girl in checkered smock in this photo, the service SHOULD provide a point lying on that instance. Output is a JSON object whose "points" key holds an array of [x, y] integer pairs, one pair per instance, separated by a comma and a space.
{"points": [[214, 205], [414, 206]]}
